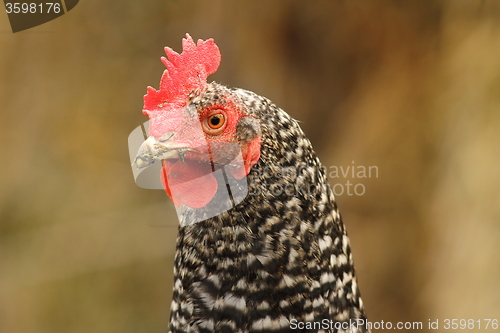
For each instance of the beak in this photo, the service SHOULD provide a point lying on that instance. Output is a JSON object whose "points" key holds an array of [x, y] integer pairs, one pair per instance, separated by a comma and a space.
{"points": [[154, 149]]}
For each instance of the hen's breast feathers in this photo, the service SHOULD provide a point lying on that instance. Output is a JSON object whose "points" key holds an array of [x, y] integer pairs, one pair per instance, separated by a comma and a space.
{"points": [[281, 254]]}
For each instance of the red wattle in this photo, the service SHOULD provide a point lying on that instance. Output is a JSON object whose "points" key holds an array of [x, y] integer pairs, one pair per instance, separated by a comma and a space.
{"points": [[191, 183]]}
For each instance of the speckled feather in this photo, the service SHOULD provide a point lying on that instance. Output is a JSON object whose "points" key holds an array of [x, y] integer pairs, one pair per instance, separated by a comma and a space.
{"points": [[276, 256]]}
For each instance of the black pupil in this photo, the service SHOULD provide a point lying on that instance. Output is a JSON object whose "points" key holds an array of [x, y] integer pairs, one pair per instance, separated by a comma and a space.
{"points": [[215, 120]]}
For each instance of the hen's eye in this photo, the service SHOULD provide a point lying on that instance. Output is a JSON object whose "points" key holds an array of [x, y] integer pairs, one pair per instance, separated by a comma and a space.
{"points": [[214, 123]]}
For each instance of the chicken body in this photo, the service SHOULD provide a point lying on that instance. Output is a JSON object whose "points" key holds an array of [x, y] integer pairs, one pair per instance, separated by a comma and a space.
{"points": [[281, 257], [275, 258]]}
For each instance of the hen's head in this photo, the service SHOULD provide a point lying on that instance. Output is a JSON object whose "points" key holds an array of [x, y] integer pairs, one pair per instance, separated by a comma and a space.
{"points": [[197, 127]]}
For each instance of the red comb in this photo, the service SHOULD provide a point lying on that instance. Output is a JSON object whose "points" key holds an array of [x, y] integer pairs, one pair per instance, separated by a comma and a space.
{"points": [[185, 72]]}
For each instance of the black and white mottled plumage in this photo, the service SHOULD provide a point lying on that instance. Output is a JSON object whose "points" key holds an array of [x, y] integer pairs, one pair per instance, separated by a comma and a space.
{"points": [[282, 255]]}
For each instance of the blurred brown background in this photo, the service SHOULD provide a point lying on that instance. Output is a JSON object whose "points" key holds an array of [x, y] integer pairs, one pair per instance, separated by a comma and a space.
{"points": [[412, 87]]}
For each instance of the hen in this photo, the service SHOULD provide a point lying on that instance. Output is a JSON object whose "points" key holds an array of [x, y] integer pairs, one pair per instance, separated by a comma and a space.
{"points": [[261, 247]]}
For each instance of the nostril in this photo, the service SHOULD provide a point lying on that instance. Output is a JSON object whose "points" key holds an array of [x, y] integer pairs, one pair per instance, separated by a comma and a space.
{"points": [[167, 136]]}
